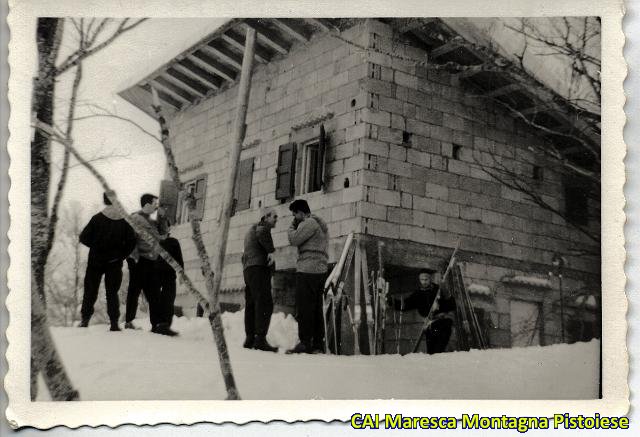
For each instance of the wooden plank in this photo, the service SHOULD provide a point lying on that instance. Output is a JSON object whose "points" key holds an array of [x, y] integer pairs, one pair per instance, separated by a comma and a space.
{"points": [[317, 22], [268, 37], [226, 207], [288, 26], [192, 70], [237, 41], [179, 93], [212, 66], [218, 50], [445, 49], [164, 96], [182, 80], [503, 90]]}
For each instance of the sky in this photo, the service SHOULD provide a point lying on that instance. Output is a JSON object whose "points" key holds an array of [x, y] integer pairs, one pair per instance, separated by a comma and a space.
{"points": [[137, 163]]}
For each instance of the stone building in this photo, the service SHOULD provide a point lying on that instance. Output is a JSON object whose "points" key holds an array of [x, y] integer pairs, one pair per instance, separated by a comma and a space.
{"points": [[412, 123]]}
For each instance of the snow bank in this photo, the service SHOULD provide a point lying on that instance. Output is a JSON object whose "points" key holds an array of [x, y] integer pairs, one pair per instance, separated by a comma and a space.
{"points": [[139, 365], [480, 289], [532, 281]]}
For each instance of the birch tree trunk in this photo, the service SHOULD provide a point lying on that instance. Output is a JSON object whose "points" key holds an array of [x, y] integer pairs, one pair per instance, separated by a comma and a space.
{"points": [[44, 357]]}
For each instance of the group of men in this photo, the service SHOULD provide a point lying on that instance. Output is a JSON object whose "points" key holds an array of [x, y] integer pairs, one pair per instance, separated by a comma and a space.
{"points": [[111, 240], [309, 233]]}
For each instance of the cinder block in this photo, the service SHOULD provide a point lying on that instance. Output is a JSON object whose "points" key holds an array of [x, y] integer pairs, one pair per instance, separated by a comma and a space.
{"points": [[375, 179], [377, 87], [436, 191], [406, 80], [398, 153], [453, 121], [357, 131], [342, 212], [419, 128], [458, 226], [470, 213], [419, 158], [372, 210], [417, 234], [351, 225], [412, 186], [375, 147], [447, 208], [430, 116], [382, 228], [390, 135], [390, 104], [399, 168], [424, 204], [386, 197], [379, 118], [435, 221], [398, 122], [406, 200], [342, 151], [352, 194], [458, 167], [400, 215]]}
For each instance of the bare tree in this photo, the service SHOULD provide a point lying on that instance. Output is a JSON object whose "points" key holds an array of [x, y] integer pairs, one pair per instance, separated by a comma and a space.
{"points": [[95, 35]]}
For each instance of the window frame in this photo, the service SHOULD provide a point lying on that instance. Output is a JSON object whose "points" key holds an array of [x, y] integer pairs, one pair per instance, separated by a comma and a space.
{"points": [[182, 209]]}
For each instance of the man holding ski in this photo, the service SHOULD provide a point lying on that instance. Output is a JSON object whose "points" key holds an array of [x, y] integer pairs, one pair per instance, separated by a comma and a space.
{"points": [[438, 331]]}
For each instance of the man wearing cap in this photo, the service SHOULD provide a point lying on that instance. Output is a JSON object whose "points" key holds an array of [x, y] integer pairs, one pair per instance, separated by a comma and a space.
{"points": [[257, 264], [309, 233]]}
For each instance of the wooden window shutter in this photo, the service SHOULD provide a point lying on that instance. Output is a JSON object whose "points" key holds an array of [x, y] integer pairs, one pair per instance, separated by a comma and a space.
{"points": [[169, 199], [200, 195], [322, 145], [242, 187], [285, 172]]}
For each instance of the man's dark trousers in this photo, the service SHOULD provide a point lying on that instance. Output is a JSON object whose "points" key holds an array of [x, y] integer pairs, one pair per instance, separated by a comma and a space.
{"points": [[167, 297], [258, 301], [112, 279], [309, 289], [143, 276], [437, 335]]}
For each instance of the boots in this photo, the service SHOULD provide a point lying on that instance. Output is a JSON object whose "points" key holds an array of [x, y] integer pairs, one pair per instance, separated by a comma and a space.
{"points": [[248, 342], [130, 325], [164, 329], [301, 348], [84, 323], [261, 344], [114, 326]]}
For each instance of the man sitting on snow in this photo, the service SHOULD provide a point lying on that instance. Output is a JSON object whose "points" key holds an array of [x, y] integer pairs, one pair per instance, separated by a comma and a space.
{"points": [[439, 330]]}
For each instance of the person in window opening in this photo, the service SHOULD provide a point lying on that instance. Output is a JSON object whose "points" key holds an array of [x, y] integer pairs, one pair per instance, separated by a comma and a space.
{"points": [[167, 276], [109, 239], [309, 233], [143, 272], [439, 330], [257, 265]]}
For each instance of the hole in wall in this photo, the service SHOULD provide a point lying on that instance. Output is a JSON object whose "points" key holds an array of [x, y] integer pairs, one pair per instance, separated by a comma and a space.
{"points": [[457, 149], [406, 137], [346, 182], [353, 103]]}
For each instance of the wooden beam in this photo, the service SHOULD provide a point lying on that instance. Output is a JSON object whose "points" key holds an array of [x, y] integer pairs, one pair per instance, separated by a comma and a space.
{"points": [[267, 37], [503, 90], [445, 49], [192, 70], [237, 41], [225, 55], [317, 22], [226, 208], [163, 85], [185, 82], [164, 96], [212, 66], [288, 26]]}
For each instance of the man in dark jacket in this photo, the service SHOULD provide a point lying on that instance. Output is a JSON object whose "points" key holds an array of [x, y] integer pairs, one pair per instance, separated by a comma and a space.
{"points": [[143, 273], [109, 239], [310, 234], [167, 277], [257, 263], [439, 330]]}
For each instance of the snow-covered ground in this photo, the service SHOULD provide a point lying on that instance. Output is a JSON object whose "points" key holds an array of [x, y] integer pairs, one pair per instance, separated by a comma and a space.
{"points": [[139, 365]]}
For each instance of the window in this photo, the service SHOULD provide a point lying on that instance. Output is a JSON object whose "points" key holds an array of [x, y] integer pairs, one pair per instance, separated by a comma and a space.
{"points": [[456, 151], [311, 168], [242, 187], [197, 188]]}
